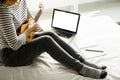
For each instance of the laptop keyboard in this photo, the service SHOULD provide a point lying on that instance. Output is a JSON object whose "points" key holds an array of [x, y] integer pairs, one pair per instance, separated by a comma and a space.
{"points": [[65, 34]]}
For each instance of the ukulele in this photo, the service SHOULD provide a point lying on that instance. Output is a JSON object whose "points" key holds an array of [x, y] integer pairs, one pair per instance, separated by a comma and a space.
{"points": [[26, 24]]}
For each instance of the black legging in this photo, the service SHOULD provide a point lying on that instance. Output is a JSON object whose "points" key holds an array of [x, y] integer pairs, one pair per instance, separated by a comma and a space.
{"points": [[44, 42]]}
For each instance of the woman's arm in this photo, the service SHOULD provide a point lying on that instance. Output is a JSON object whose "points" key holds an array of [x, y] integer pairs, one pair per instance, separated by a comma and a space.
{"points": [[8, 30], [31, 28]]}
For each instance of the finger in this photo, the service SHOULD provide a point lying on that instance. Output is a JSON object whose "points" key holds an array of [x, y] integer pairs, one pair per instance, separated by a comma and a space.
{"points": [[31, 22], [41, 6]]}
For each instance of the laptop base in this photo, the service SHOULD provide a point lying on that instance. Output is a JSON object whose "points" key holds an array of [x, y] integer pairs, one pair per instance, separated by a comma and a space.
{"points": [[63, 33]]}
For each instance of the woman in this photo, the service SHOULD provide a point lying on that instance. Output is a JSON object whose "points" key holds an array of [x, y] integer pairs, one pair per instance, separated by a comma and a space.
{"points": [[16, 52]]}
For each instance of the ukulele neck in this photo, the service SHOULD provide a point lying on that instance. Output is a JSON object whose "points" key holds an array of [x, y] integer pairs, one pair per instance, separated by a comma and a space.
{"points": [[38, 15]]}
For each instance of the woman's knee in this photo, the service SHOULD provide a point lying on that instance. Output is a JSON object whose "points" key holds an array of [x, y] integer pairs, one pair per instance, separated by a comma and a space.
{"points": [[42, 39], [50, 33], [46, 38]]}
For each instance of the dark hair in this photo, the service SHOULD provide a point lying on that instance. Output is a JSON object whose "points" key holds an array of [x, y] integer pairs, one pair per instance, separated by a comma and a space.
{"points": [[2, 1]]}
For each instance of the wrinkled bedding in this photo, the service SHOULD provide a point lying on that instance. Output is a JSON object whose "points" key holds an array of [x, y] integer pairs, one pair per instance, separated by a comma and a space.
{"points": [[45, 68]]}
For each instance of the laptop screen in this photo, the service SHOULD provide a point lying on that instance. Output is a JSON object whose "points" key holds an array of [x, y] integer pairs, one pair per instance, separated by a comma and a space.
{"points": [[65, 20]]}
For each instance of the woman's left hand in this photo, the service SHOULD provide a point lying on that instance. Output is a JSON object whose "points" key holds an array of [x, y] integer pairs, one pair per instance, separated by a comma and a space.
{"points": [[38, 28]]}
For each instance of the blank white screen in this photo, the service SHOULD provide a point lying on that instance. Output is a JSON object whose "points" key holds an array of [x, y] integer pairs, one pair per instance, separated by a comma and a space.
{"points": [[66, 21]]}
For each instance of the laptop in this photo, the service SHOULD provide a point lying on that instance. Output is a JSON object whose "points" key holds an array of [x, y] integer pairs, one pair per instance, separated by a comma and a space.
{"points": [[65, 23]]}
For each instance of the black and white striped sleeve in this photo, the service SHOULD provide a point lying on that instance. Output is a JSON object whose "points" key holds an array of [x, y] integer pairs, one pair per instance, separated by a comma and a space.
{"points": [[8, 30]]}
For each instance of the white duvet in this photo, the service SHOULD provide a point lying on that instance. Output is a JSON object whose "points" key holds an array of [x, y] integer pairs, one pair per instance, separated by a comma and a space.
{"points": [[45, 68]]}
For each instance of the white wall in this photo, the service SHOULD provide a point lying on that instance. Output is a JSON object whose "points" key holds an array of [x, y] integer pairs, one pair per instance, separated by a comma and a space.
{"points": [[33, 4], [57, 3], [94, 7], [49, 4]]}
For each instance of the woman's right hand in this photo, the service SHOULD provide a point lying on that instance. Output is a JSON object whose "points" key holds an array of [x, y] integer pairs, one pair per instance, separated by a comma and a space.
{"points": [[31, 28]]}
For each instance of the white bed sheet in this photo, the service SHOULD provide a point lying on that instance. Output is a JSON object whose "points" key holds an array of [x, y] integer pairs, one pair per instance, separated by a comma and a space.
{"points": [[45, 68]]}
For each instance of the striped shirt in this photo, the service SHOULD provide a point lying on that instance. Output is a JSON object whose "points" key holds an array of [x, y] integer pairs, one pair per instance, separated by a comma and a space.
{"points": [[11, 18]]}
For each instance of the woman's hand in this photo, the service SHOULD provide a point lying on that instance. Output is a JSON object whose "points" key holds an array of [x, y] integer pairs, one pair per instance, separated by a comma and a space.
{"points": [[41, 6], [33, 27], [39, 29]]}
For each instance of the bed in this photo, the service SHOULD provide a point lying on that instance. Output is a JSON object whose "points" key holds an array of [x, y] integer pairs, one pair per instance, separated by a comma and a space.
{"points": [[103, 29]]}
